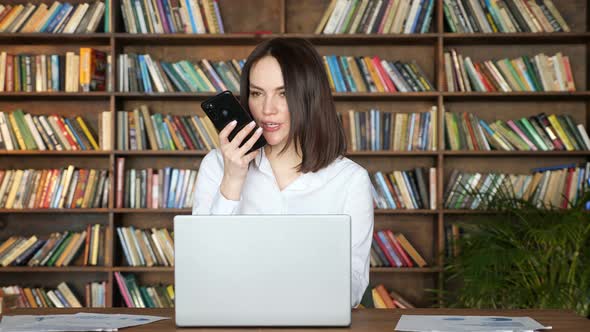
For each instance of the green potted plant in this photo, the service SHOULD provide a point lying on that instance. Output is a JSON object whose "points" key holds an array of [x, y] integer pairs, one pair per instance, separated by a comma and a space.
{"points": [[524, 255]]}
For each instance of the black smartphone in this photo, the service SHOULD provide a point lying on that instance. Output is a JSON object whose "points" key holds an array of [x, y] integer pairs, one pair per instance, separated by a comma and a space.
{"points": [[223, 109]]}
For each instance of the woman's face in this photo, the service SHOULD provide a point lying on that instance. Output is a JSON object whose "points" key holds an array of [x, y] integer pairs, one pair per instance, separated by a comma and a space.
{"points": [[267, 101]]}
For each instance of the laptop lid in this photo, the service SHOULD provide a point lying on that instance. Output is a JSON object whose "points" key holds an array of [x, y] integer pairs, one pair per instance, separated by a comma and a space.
{"points": [[262, 270]]}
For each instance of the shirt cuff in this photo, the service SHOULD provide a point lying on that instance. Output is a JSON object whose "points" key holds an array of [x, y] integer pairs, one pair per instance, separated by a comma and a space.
{"points": [[222, 205]]}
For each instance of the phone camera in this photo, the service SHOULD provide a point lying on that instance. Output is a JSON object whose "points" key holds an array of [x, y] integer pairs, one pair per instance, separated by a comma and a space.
{"points": [[225, 113], [209, 107]]}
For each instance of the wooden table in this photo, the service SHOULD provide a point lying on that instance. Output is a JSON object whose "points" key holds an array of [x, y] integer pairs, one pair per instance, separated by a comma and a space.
{"points": [[373, 320]]}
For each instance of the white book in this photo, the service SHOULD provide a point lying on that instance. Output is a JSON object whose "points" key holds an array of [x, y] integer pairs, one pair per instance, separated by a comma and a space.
{"points": [[584, 135], [73, 22], [336, 16], [5, 132], [154, 74], [374, 15], [95, 20], [412, 16], [343, 16], [56, 302]]}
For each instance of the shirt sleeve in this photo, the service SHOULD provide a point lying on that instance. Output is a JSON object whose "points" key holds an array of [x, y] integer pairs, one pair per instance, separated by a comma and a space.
{"points": [[359, 205], [207, 196]]}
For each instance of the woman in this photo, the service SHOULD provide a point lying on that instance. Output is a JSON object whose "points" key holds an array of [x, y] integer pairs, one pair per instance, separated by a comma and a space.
{"points": [[301, 170]]}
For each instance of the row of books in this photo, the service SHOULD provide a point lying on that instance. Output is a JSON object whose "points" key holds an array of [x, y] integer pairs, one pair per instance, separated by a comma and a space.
{"points": [[466, 16], [135, 296], [537, 73], [54, 188], [412, 189], [558, 186], [154, 188], [382, 299], [394, 250], [453, 232], [58, 249], [144, 131], [60, 17], [60, 297], [83, 72], [26, 131], [371, 74], [173, 16], [541, 132], [140, 73], [376, 17], [375, 130], [143, 247]]}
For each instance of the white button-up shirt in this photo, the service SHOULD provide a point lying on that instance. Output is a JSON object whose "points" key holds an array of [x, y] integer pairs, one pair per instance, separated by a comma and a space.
{"points": [[343, 187]]}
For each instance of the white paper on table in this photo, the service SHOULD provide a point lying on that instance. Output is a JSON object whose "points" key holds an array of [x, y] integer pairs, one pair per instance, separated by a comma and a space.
{"points": [[73, 322], [441, 323]]}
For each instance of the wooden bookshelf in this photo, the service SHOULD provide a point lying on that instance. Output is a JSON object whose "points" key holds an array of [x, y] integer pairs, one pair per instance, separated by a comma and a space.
{"points": [[293, 18]]}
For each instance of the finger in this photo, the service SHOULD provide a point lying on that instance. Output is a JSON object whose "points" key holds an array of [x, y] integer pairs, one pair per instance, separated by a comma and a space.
{"points": [[250, 156], [224, 133], [251, 141], [237, 140]]}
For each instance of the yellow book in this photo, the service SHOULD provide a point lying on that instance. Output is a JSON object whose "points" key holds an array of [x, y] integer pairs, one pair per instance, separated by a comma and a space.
{"points": [[89, 188], [19, 136], [7, 243], [211, 130], [87, 133], [204, 78], [95, 241], [356, 74], [202, 134], [20, 248], [327, 14], [374, 75], [67, 250], [377, 300], [560, 132], [12, 15], [14, 189], [30, 298], [170, 290], [85, 58]]}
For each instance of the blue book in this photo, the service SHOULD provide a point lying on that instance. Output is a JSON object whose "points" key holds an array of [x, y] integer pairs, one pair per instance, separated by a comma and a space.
{"points": [[63, 11], [61, 298], [57, 193], [411, 124], [424, 130], [385, 190], [336, 74], [191, 16], [124, 246], [50, 19], [169, 21], [415, 22], [22, 258], [168, 136], [167, 171], [389, 248], [169, 72], [347, 74], [412, 190], [133, 239], [183, 177], [76, 136], [428, 17], [55, 72], [172, 188], [145, 76]]}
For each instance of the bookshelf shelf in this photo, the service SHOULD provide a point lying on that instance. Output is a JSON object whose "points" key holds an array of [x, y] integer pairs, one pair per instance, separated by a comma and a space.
{"points": [[46, 269], [52, 211], [297, 18], [505, 38]]}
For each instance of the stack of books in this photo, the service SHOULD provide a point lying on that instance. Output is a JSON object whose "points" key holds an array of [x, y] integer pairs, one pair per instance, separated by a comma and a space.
{"points": [[176, 16], [154, 188], [144, 247], [87, 71], [559, 186], [382, 17], [141, 73], [39, 297], [60, 17], [58, 249], [372, 74], [139, 130], [375, 130], [382, 299], [54, 188], [412, 189], [537, 73], [394, 250], [465, 131], [26, 131], [135, 296], [453, 233], [503, 16]]}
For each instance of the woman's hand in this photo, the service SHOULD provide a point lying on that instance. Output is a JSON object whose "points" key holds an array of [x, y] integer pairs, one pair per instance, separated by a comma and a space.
{"points": [[236, 159]]}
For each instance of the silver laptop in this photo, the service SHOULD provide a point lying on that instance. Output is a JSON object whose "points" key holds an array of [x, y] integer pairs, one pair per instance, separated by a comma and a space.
{"points": [[262, 270]]}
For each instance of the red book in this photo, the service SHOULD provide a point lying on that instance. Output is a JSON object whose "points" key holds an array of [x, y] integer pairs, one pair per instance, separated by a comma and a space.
{"points": [[568, 186], [383, 74], [398, 249], [62, 128], [384, 249], [470, 129], [183, 132], [120, 182], [150, 174]]}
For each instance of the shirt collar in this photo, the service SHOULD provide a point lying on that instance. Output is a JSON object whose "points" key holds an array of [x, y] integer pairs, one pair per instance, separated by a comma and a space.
{"points": [[304, 181]]}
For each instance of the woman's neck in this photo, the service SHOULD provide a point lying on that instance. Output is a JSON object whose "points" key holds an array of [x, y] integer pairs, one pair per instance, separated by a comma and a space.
{"points": [[288, 159]]}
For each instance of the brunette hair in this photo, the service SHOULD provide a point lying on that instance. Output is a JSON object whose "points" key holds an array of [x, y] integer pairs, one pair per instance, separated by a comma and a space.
{"points": [[314, 122]]}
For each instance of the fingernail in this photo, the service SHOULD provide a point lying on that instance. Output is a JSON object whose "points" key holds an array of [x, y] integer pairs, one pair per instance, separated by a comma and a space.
{"points": [[258, 130], [251, 124], [233, 123]]}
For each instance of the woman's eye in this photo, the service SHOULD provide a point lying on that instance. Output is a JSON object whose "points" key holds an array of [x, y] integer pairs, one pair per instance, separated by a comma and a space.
{"points": [[254, 93], [282, 93]]}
